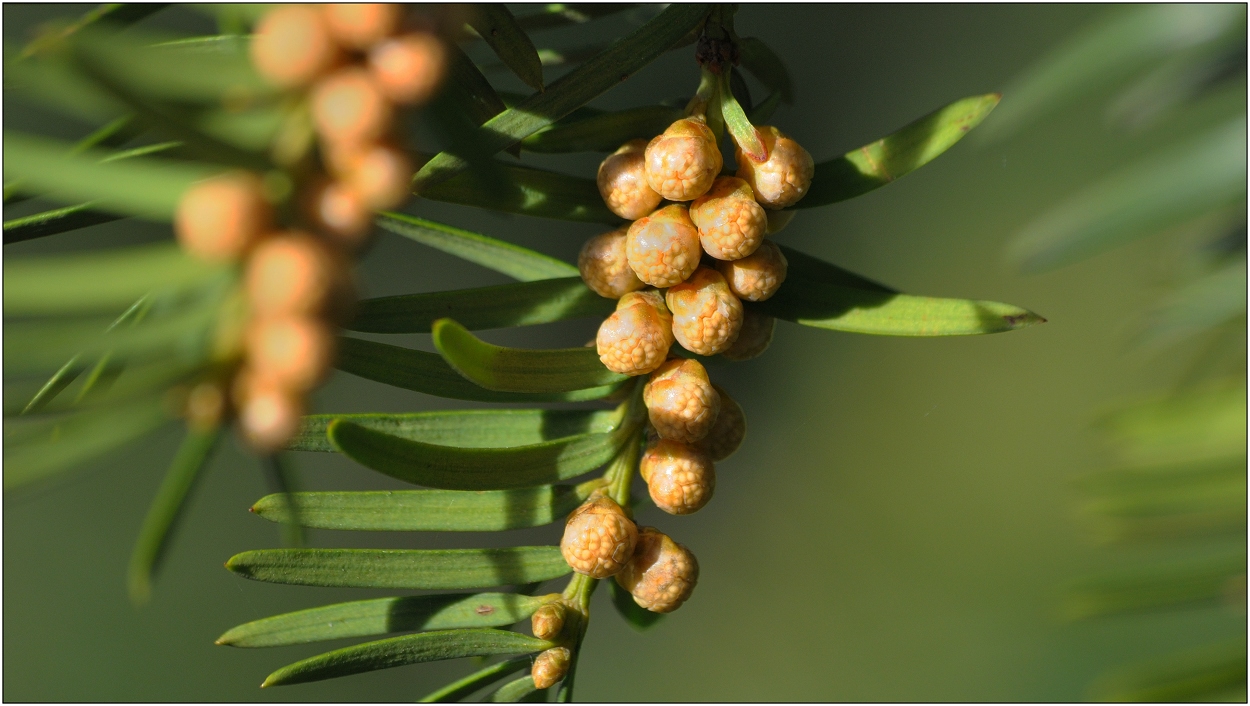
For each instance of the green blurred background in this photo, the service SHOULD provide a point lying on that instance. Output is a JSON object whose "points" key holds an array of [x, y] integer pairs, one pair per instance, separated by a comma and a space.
{"points": [[898, 526]]}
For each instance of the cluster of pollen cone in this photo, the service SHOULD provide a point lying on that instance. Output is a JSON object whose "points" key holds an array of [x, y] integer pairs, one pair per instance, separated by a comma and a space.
{"points": [[353, 66], [696, 248]]}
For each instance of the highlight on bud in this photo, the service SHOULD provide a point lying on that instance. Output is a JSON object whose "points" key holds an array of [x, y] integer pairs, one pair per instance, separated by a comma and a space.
{"points": [[681, 402], [754, 338], [680, 477], [662, 573], [636, 338], [663, 248], [551, 666], [604, 266], [622, 180], [339, 211], [292, 46], [294, 273], [731, 224], [349, 108], [380, 174], [707, 317], [269, 414], [222, 218], [683, 161], [598, 538], [729, 430], [294, 352], [785, 177], [758, 276], [410, 67], [361, 25]]}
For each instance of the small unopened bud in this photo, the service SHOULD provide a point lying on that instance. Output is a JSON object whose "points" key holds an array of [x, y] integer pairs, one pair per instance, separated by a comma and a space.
{"points": [[206, 405], [339, 211], [623, 183], [731, 224], [635, 339], [662, 573], [682, 162], [605, 267], [680, 477], [361, 25], [548, 620], [758, 276], [706, 315], [663, 248], [295, 352], [221, 218], [295, 274], [782, 179], [292, 46], [550, 667], [598, 538], [728, 431], [269, 414], [753, 339], [409, 67], [348, 107], [680, 400]]}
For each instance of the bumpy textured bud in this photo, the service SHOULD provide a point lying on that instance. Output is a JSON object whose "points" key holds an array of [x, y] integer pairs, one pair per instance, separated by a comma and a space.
{"points": [[361, 25], [680, 477], [598, 538], [348, 107], [753, 339], [783, 178], [623, 182], [548, 620], [731, 224], [663, 248], [682, 162], [681, 401], [662, 573], [550, 667], [635, 339], [605, 266], [294, 351], [728, 431], [758, 276], [294, 274], [706, 315], [221, 218], [292, 46], [408, 68]]}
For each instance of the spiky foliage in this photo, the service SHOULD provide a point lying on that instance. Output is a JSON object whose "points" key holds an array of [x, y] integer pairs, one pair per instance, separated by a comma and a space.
{"points": [[144, 324]]}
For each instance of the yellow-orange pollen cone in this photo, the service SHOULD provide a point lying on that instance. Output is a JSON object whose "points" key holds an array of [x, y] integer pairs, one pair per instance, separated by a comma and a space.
{"points": [[604, 265], [729, 430], [409, 67], [731, 224], [221, 218], [348, 107], [292, 46], [707, 317], [663, 248], [680, 477], [682, 162], [361, 25], [269, 414], [785, 177], [662, 573], [636, 338], [295, 352], [680, 400], [550, 667], [598, 538], [622, 181], [293, 273], [757, 276]]}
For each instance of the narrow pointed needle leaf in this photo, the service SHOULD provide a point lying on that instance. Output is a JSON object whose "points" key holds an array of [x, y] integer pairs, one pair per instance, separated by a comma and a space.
{"points": [[604, 132], [499, 29], [401, 568], [503, 306], [280, 473], [879, 163], [60, 380], [439, 611], [54, 222], [486, 676], [574, 89], [513, 260], [163, 514], [513, 691], [429, 373], [517, 369], [765, 65], [530, 192], [407, 649], [455, 468]]}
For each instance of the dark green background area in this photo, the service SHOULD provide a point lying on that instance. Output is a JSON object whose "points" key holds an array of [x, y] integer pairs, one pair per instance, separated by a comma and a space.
{"points": [[899, 524]]}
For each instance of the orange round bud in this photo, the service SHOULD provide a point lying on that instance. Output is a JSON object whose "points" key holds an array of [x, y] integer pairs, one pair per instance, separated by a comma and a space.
{"points": [[680, 400], [548, 620], [294, 274], [295, 352], [757, 276], [662, 573], [292, 46], [550, 667], [635, 339], [598, 538], [682, 162], [380, 174], [623, 183], [663, 248], [782, 179], [728, 431], [754, 338], [680, 477], [338, 211], [269, 414], [706, 315], [361, 25], [348, 107], [605, 267], [731, 225], [221, 218], [408, 68]]}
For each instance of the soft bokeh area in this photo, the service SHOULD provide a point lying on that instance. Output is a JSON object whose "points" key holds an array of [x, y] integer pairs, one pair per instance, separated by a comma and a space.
{"points": [[900, 523]]}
